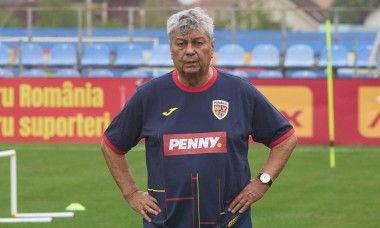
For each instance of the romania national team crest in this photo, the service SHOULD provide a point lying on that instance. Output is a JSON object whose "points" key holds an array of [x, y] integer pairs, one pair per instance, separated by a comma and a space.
{"points": [[220, 108]]}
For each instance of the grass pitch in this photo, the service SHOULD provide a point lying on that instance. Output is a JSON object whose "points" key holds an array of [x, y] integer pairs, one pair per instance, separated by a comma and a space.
{"points": [[307, 194]]}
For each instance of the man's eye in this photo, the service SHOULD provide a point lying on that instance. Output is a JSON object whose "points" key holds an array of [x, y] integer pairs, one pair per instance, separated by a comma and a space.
{"points": [[181, 44]]}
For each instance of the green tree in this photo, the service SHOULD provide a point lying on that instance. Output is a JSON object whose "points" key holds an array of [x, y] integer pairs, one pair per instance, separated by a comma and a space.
{"points": [[259, 18], [9, 20], [108, 24], [56, 18], [222, 18], [156, 18], [354, 16], [252, 17]]}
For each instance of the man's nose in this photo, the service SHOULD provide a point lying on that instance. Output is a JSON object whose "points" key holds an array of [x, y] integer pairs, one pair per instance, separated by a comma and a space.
{"points": [[190, 49]]}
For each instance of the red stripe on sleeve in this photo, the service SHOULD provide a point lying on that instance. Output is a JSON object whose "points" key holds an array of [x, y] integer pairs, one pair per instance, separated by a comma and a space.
{"points": [[282, 138], [112, 146]]}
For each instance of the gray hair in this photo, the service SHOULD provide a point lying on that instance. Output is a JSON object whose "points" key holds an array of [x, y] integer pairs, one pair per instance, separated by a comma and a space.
{"points": [[191, 19]]}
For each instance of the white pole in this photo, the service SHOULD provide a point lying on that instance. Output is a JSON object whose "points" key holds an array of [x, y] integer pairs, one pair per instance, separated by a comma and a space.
{"points": [[13, 169], [17, 220], [7, 153], [373, 52], [25, 217], [13, 186], [46, 214]]}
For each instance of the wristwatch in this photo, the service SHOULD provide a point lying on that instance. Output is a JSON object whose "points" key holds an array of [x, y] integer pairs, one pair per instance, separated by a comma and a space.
{"points": [[265, 179]]}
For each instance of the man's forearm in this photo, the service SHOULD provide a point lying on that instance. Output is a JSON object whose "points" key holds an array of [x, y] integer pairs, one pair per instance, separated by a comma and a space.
{"points": [[277, 159], [139, 201], [279, 156], [120, 171]]}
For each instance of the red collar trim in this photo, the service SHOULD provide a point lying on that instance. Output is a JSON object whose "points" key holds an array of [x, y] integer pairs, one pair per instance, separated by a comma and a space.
{"points": [[196, 89]]}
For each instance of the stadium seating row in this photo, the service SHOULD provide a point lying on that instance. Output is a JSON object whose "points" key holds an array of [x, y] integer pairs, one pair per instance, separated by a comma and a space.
{"points": [[297, 56], [141, 72], [93, 73], [229, 55], [65, 55], [297, 74]]}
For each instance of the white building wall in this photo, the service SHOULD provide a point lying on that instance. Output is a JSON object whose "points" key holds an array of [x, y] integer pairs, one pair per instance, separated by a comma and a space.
{"points": [[296, 19], [373, 19]]}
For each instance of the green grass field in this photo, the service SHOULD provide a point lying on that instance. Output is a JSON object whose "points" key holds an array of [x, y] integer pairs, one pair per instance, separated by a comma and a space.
{"points": [[307, 194]]}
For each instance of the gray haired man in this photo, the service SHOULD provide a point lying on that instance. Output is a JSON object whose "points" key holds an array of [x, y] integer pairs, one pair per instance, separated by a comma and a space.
{"points": [[196, 121]]}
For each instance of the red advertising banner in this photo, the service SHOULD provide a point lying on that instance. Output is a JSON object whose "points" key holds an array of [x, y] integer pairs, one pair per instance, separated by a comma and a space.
{"points": [[304, 103], [80, 109], [60, 110]]}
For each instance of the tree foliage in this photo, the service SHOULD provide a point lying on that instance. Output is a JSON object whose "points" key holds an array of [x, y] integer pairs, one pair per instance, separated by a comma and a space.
{"points": [[56, 18], [8, 19], [156, 18], [252, 17]]}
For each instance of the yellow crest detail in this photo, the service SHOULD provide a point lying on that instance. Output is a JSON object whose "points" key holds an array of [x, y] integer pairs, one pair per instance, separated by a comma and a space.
{"points": [[220, 108]]}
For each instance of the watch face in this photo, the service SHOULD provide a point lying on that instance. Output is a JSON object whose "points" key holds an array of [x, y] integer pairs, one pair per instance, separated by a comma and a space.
{"points": [[264, 178]]}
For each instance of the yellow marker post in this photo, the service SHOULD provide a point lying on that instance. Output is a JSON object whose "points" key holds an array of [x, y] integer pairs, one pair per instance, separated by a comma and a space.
{"points": [[330, 95]]}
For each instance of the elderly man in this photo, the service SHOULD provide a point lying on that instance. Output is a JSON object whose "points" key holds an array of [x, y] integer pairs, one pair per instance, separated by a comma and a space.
{"points": [[196, 121]]}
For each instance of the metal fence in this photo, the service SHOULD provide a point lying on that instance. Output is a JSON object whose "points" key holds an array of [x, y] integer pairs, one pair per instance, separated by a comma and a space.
{"points": [[131, 18], [87, 20]]}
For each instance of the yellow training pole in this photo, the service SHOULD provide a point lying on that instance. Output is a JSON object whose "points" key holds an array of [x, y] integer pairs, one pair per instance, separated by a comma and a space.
{"points": [[330, 95]]}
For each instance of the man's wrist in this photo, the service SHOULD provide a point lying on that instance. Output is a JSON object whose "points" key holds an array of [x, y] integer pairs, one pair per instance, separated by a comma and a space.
{"points": [[258, 185], [129, 195], [265, 178]]}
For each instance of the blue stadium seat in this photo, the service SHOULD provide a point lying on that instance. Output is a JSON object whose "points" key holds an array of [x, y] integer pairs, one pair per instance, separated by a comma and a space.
{"points": [[161, 56], [160, 72], [149, 71], [339, 57], [363, 55], [129, 56], [96, 55], [301, 74], [63, 55], [6, 73], [239, 73], [269, 74], [350, 73], [299, 56], [4, 55], [34, 73], [101, 73], [138, 73], [68, 73], [265, 55], [231, 55], [347, 75], [32, 55]]}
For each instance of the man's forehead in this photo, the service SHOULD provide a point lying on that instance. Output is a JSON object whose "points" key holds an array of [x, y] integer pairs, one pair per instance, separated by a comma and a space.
{"points": [[192, 34]]}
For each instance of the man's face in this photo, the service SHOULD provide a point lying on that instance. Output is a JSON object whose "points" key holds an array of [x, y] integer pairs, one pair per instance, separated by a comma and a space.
{"points": [[192, 52]]}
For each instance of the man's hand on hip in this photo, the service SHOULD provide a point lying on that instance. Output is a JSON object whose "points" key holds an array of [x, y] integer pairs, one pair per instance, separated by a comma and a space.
{"points": [[144, 204], [254, 191]]}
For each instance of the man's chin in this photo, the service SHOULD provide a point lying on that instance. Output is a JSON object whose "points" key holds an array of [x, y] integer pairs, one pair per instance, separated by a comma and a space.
{"points": [[193, 71]]}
